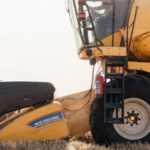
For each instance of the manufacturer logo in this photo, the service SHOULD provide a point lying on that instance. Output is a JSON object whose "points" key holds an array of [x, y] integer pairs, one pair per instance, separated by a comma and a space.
{"points": [[47, 120]]}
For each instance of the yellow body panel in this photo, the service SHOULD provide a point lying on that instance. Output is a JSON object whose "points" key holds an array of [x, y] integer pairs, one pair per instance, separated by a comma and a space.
{"points": [[19, 129], [142, 21], [105, 51], [143, 66]]}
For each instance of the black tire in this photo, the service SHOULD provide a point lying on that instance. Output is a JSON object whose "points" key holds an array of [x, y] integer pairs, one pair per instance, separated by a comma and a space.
{"points": [[137, 87], [96, 121]]}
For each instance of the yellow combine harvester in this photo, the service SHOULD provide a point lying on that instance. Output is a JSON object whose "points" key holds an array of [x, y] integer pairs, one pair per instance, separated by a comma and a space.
{"points": [[116, 35]]}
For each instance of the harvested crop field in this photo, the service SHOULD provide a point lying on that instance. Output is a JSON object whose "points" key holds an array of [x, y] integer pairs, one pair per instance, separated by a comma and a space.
{"points": [[64, 145]]}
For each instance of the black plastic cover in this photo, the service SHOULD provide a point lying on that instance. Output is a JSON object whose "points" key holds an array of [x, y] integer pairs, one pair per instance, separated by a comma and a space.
{"points": [[18, 95]]}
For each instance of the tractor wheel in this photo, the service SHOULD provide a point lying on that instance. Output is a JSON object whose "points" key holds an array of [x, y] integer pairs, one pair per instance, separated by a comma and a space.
{"points": [[136, 125]]}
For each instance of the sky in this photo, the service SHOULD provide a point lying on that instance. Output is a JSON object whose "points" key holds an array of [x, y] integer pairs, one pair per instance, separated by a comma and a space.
{"points": [[37, 44]]}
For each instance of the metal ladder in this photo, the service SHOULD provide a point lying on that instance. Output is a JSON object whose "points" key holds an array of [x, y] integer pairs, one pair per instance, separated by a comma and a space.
{"points": [[114, 92]]}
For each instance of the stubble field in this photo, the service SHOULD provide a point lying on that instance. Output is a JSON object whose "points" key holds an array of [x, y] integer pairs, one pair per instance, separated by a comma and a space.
{"points": [[68, 145]]}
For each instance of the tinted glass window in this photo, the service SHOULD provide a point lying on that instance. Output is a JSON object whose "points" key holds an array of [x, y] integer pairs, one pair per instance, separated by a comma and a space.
{"points": [[102, 15]]}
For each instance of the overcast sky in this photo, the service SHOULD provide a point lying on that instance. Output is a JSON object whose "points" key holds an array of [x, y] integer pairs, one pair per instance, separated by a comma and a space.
{"points": [[37, 44]]}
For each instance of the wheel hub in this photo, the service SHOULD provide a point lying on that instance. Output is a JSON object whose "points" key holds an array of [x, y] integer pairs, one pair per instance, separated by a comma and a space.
{"points": [[132, 118]]}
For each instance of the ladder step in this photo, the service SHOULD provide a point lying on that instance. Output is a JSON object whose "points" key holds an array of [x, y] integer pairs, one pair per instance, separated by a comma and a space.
{"points": [[114, 75], [114, 105], [114, 70], [115, 120], [115, 64], [114, 90]]}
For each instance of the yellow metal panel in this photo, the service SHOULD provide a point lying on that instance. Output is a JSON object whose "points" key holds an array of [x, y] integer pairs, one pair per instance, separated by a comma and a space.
{"points": [[113, 51], [142, 20], [20, 129], [106, 51], [117, 38], [139, 66]]}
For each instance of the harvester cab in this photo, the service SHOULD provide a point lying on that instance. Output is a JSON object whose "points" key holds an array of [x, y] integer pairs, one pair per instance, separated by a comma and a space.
{"points": [[93, 21], [100, 25]]}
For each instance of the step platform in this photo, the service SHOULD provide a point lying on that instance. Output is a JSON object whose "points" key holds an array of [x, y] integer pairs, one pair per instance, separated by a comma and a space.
{"points": [[17, 95]]}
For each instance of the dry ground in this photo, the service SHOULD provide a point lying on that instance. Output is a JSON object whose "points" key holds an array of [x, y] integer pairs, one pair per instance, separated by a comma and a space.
{"points": [[64, 145]]}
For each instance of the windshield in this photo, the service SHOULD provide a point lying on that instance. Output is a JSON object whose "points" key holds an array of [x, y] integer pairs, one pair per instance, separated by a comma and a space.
{"points": [[108, 16], [74, 22]]}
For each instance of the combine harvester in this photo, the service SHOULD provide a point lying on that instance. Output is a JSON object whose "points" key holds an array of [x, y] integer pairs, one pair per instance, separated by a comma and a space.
{"points": [[116, 35]]}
